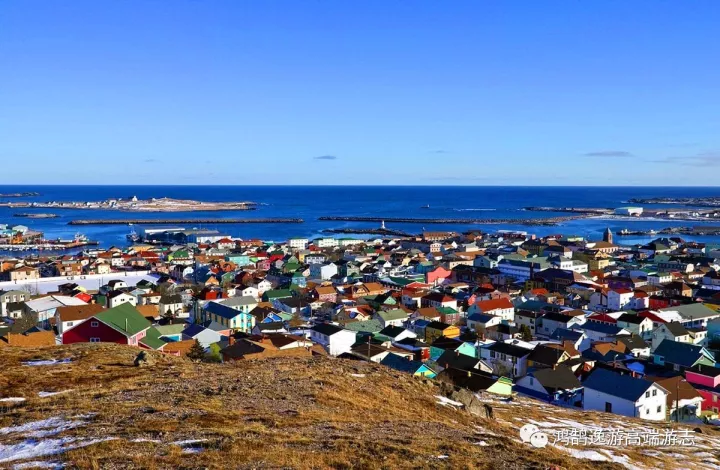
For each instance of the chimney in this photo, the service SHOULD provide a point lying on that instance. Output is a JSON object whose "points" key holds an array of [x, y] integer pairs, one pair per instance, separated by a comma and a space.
{"points": [[457, 353], [469, 374]]}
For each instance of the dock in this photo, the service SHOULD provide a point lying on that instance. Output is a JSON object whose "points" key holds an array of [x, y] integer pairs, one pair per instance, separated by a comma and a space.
{"points": [[183, 221]]}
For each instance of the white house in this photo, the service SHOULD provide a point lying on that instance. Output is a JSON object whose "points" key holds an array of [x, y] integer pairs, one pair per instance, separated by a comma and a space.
{"points": [[298, 243], [672, 331], [334, 339], [619, 298], [502, 308], [118, 297], [326, 242], [11, 296], [624, 395], [658, 279], [323, 271]]}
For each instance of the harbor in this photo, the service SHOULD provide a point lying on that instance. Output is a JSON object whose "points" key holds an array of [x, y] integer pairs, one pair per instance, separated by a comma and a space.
{"points": [[133, 204]]}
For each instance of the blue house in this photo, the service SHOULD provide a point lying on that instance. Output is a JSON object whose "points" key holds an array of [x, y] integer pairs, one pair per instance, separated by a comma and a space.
{"points": [[228, 317], [407, 365], [240, 260]]}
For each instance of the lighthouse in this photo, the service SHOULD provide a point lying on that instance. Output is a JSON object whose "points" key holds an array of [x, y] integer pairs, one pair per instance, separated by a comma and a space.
{"points": [[382, 225]]}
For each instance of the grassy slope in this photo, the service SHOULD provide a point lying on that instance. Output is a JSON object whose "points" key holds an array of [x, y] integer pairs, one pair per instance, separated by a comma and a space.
{"points": [[297, 413]]}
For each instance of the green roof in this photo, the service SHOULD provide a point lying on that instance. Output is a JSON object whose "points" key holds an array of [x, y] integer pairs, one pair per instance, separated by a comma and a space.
{"points": [[369, 326], [446, 310], [152, 339], [277, 294], [394, 314], [170, 329], [124, 318]]}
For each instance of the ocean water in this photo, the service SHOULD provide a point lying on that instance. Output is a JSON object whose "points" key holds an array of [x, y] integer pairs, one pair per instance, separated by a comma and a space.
{"points": [[311, 202]]}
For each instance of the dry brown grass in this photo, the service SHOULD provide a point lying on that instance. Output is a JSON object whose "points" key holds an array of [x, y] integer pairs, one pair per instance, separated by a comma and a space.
{"points": [[273, 413]]}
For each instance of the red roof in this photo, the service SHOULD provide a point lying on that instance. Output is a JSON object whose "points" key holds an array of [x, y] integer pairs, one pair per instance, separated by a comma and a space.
{"points": [[494, 304], [622, 291], [652, 317], [601, 317]]}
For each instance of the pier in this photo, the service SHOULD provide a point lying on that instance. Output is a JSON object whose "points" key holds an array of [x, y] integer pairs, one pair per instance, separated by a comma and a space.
{"points": [[540, 222], [369, 231], [575, 210], [182, 221]]}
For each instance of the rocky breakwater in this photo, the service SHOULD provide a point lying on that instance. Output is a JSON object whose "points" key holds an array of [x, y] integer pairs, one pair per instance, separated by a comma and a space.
{"points": [[182, 221], [550, 221]]}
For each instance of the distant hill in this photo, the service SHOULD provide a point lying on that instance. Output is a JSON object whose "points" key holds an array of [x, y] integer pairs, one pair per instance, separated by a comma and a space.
{"points": [[315, 412]]}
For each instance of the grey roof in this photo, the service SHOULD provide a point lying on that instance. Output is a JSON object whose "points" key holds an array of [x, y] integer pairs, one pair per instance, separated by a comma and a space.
{"points": [[676, 328], [692, 311], [560, 378], [682, 354], [622, 386], [240, 301]]}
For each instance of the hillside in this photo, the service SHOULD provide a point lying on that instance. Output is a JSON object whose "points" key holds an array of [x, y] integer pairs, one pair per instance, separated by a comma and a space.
{"points": [[276, 413]]}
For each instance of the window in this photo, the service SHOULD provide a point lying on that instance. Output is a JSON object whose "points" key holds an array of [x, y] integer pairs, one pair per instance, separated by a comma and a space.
{"points": [[94, 324], [659, 409], [69, 323], [647, 411], [94, 340], [647, 394]]}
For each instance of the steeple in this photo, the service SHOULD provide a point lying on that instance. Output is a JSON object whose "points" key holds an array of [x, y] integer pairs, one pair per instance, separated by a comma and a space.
{"points": [[608, 236]]}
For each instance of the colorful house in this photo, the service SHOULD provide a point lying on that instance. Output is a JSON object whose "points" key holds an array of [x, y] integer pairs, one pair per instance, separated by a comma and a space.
{"points": [[228, 317], [122, 324], [408, 365]]}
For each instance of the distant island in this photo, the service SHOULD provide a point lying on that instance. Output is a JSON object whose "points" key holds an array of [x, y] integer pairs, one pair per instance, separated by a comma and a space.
{"points": [[19, 194], [134, 204], [37, 216], [690, 201]]}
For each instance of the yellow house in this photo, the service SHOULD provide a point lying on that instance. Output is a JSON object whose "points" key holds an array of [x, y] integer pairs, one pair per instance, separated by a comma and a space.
{"points": [[437, 329]]}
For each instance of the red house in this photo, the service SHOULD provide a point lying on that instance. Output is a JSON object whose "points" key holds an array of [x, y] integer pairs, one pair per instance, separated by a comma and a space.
{"points": [[706, 380], [122, 324]]}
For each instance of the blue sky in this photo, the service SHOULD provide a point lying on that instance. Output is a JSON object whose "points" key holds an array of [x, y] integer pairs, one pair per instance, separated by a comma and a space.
{"points": [[383, 92]]}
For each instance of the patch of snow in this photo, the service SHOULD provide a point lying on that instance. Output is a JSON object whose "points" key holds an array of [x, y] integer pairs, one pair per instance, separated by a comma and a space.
{"points": [[32, 448], [52, 394], [357, 375], [482, 443], [192, 450], [142, 439], [442, 457], [39, 464], [12, 399], [584, 454], [447, 402], [188, 442], [43, 428], [49, 362]]}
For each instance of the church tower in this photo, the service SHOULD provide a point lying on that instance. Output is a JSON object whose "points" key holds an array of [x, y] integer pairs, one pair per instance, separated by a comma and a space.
{"points": [[608, 236]]}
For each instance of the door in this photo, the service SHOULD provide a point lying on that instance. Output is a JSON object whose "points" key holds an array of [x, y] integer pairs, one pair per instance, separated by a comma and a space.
{"points": [[608, 407]]}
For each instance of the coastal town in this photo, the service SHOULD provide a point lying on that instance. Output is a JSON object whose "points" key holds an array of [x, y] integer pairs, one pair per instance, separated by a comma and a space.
{"points": [[576, 323]]}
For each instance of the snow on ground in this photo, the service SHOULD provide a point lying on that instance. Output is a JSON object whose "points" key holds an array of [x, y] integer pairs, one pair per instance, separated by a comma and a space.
{"points": [[48, 362], [142, 439], [357, 375], [44, 427], [482, 443], [188, 442], [33, 448], [584, 454], [447, 402], [39, 464], [12, 399], [51, 394]]}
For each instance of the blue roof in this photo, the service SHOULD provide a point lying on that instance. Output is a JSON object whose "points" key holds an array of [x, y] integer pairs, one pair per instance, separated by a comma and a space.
{"points": [[675, 352], [400, 363], [193, 330], [622, 386], [564, 333], [480, 317], [222, 310]]}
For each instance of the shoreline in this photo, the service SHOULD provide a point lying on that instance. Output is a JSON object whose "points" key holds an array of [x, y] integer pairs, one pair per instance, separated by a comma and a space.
{"points": [[184, 221]]}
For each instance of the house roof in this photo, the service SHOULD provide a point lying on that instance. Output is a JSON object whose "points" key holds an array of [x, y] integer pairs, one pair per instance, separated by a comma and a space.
{"points": [[394, 314], [622, 386], [326, 329], [454, 360], [222, 310], [546, 354], [494, 304], [708, 371], [400, 363], [692, 311], [152, 339], [438, 325], [78, 312], [560, 378], [124, 318], [509, 349], [675, 352], [392, 331], [676, 328]]}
